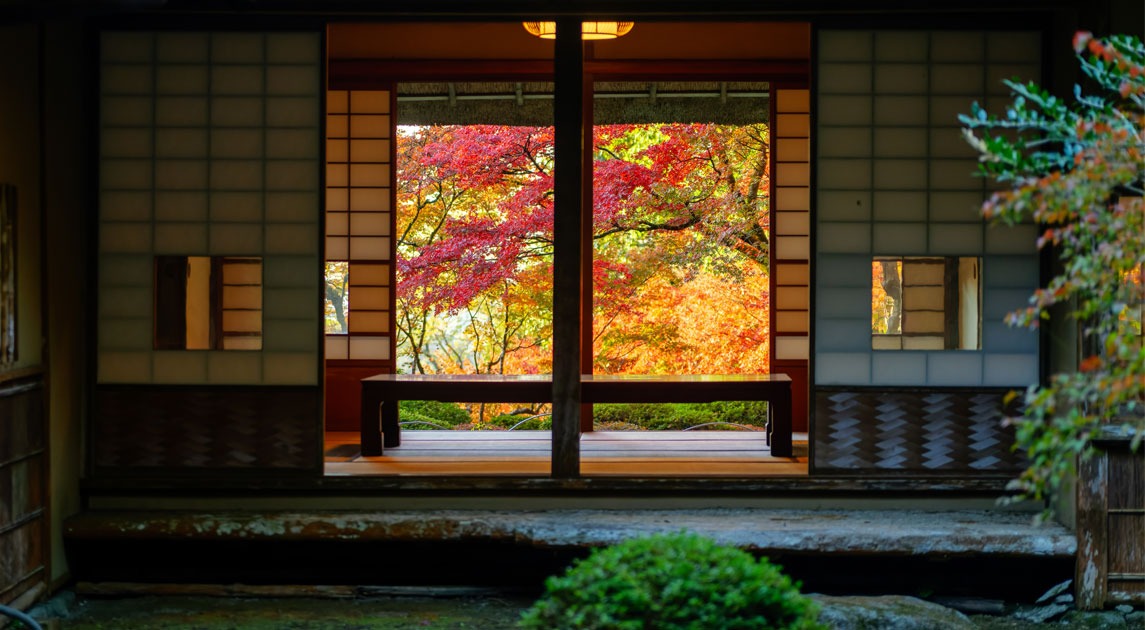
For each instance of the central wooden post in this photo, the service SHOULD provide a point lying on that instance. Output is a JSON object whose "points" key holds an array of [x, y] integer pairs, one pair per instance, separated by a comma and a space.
{"points": [[568, 114]]}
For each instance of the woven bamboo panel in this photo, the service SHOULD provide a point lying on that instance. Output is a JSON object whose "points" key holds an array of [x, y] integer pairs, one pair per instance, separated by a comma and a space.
{"points": [[895, 432], [207, 428]]}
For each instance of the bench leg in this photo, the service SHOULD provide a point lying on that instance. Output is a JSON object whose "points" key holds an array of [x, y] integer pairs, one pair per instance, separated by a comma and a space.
{"points": [[371, 434], [391, 430], [780, 425]]}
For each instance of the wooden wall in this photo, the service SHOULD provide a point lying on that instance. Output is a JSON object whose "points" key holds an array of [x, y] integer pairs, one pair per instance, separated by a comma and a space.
{"points": [[23, 491]]}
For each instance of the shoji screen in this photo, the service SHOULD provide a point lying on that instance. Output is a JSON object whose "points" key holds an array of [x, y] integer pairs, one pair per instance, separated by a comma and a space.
{"points": [[895, 178], [209, 146], [359, 218], [792, 224]]}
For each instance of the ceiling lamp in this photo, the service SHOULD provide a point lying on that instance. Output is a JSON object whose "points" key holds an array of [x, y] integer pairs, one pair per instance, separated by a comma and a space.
{"points": [[588, 30]]}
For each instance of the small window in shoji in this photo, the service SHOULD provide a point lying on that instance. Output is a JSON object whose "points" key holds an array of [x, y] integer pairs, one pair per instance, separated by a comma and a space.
{"points": [[358, 224], [208, 303], [926, 303]]}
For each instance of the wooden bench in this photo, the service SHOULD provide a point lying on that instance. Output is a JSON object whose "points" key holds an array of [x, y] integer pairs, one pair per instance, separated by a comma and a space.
{"points": [[380, 396]]}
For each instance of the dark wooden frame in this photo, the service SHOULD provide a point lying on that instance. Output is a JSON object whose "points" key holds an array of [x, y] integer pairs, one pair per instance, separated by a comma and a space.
{"points": [[381, 429]]}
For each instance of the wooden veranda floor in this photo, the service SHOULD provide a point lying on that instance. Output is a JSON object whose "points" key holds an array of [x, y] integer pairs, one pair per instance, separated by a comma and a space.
{"points": [[603, 453]]}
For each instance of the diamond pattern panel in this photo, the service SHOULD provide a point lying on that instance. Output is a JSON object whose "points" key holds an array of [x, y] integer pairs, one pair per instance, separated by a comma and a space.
{"points": [[206, 428], [894, 432]]}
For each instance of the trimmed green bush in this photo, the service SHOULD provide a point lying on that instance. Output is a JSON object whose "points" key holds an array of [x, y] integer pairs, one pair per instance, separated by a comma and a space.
{"points": [[680, 416], [671, 581], [443, 413], [528, 423]]}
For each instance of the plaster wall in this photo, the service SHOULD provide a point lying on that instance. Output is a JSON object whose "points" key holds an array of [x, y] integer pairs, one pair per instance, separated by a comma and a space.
{"points": [[20, 165]]}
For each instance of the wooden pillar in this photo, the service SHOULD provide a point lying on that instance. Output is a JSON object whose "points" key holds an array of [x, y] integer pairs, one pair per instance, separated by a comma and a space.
{"points": [[586, 253], [568, 114]]}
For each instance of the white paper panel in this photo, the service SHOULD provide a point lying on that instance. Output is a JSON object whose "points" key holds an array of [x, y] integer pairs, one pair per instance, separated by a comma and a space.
{"points": [[292, 143], [236, 143], [236, 47], [180, 367], [786, 273], [291, 175], [900, 174], [370, 298], [180, 143], [954, 368], [180, 174], [369, 126], [337, 248], [844, 78], [337, 199], [181, 47], [792, 101], [844, 142], [180, 238], [286, 238], [125, 174], [126, 110], [370, 223], [293, 48], [899, 238], [904, 142], [791, 348], [121, 238], [282, 368], [898, 368], [124, 367], [369, 248], [337, 102], [787, 198], [792, 223], [234, 367], [236, 79], [369, 321], [900, 78], [181, 79], [337, 347], [125, 206], [285, 111], [235, 238], [236, 111], [241, 207], [791, 321], [370, 199], [374, 175], [900, 110], [845, 110], [901, 46], [370, 102], [845, 45], [899, 206], [792, 247], [126, 302], [128, 47], [291, 79], [844, 238], [337, 224], [955, 239], [793, 174], [126, 143], [236, 174], [125, 334], [181, 111], [370, 348]]}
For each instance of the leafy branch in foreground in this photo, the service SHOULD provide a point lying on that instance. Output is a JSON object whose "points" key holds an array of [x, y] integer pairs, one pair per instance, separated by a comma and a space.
{"points": [[1076, 170]]}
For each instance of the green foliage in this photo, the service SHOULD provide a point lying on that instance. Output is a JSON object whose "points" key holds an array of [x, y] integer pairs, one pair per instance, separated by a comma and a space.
{"points": [[1077, 170], [680, 416], [671, 581], [522, 422], [432, 411]]}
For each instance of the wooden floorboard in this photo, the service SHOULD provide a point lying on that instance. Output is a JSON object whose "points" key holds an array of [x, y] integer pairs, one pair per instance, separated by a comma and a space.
{"points": [[603, 453]]}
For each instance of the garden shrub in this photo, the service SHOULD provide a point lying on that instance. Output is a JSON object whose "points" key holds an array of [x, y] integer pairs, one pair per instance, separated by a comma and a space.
{"points": [[527, 422], [680, 416], [443, 413], [671, 581]]}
